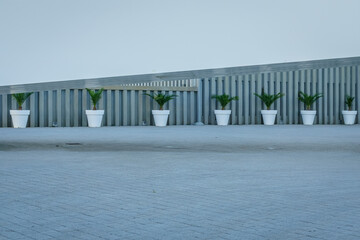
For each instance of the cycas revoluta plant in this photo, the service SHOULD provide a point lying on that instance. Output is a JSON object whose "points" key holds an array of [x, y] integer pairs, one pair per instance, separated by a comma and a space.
{"points": [[348, 101], [308, 100], [20, 98], [161, 99], [224, 99], [269, 99], [95, 96]]}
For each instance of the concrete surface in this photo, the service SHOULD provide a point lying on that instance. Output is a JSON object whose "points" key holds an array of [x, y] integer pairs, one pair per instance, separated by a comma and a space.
{"points": [[181, 182]]}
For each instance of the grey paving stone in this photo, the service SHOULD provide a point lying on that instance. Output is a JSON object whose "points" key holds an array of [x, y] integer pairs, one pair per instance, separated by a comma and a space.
{"points": [[235, 182]]}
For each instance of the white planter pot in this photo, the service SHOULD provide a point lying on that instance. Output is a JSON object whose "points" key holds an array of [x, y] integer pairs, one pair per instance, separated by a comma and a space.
{"points": [[222, 117], [19, 118], [308, 116], [94, 117], [349, 117], [160, 117], [269, 116]]}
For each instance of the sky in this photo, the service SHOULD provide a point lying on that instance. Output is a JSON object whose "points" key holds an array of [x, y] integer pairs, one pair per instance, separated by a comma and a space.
{"points": [[44, 41]]}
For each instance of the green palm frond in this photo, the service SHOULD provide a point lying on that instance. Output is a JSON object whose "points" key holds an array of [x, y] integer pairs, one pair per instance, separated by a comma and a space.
{"points": [[161, 99], [309, 100], [95, 96], [348, 101], [269, 99], [224, 99], [20, 98]]}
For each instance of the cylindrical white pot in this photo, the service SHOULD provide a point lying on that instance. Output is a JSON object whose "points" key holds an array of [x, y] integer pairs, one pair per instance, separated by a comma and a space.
{"points": [[308, 116], [94, 117], [349, 117], [269, 116], [160, 117], [19, 118], [222, 117]]}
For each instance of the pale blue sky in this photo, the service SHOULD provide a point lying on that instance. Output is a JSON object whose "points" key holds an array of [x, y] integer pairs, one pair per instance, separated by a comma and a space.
{"points": [[54, 40]]}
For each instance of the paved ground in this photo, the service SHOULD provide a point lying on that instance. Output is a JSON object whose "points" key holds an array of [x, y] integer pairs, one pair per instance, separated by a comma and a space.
{"points": [[235, 182]]}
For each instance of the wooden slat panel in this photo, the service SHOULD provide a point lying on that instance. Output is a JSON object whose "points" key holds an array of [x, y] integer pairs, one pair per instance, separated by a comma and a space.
{"points": [[290, 97], [76, 107], [178, 108], [33, 110], [353, 82], [185, 108], [192, 108], [296, 94], [308, 82], [4, 107], [41, 109], [252, 98], [336, 95], [101, 106], [133, 108], [67, 107], [259, 86], [302, 88], [213, 101], [148, 109], [313, 81], [246, 99], [277, 103], [219, 90], [331, 94], [241, 100], [206, 101], [51, 108], [283, 100], [233, 103], [347, 82], [140, 108], [117, 108], [272, 86], [321, 100], [227, 86], [108, 110], [172, 109], [125, 107], [358, 94], [84, 104], [325, 92], [58, 108], [343, 81]]}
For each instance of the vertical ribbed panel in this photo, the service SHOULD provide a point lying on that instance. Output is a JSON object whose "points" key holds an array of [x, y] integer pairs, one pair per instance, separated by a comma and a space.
{"points": [[125, 112], [76, 108], [41, 109], [4, 112], [58, 108], [84, 107], [32, 110], [108, 109], [67, 108], [131, 107], [117, 107], [50, 108]]}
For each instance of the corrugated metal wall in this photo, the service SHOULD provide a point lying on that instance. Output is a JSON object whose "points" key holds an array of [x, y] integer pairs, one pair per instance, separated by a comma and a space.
{"points": [[335, 83], [126, 105]]}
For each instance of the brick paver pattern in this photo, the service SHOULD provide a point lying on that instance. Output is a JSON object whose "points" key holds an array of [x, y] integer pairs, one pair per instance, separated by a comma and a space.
{"points": [[179, 191]]}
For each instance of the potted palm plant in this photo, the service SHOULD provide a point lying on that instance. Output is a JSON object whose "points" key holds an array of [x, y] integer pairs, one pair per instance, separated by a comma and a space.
{"points": [[349, 115], [94, 116], [20, 117], [161, 116], [222, 116], [269, 115], [308, 115]]}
